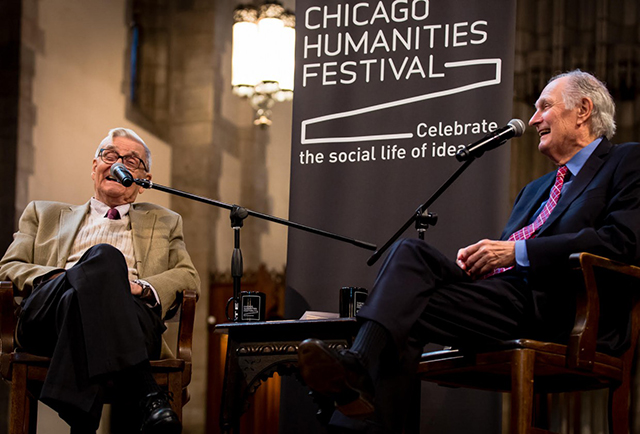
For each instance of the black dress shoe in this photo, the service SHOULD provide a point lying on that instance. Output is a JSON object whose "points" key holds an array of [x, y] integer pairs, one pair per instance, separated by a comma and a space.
{"points": [[157, 415], [337, 375]]}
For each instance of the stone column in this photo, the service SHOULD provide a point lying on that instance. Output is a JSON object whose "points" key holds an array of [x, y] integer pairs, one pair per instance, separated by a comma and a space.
{"points": [[190, 122]]}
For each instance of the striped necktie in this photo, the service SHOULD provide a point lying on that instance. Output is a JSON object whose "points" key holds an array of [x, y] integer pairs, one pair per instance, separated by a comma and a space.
{"points": [[530, 230]]}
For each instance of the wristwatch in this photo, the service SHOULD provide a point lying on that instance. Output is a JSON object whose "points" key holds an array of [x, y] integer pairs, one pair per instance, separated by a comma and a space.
{"points": [[147, 294]]}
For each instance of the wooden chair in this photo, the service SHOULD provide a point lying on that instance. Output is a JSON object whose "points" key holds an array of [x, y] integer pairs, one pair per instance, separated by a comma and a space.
{"points": [[26, 372], [526, 367]]}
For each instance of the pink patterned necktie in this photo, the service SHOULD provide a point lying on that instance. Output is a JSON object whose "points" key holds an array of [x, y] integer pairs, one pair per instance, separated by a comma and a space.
{"points": [[113, 214], [529, 231]]}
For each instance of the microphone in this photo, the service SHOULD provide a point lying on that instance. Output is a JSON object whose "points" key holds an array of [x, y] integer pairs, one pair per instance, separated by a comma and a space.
{"points": [[121, 174], [515, 128]]}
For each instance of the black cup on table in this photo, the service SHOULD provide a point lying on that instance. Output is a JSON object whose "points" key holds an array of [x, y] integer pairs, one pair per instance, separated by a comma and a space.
{"points": [[351, 300], [251, 306]]}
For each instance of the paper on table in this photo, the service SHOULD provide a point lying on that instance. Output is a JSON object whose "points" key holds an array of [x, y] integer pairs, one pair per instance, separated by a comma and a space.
{"points": [[312, 314]]}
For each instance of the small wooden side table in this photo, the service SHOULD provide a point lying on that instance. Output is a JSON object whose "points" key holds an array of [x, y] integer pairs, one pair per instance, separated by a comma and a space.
{"points": [[256, 350]]}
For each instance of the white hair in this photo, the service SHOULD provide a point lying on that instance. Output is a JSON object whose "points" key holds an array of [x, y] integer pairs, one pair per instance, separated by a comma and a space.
{"points": [[130, 134], [581, 84]]}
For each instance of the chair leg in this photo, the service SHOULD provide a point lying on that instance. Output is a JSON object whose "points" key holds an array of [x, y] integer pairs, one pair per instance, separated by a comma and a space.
{"points": [[576, 412], [174, 384], [619, 409], [541, 415], [33, 414], [522, 391], [19, 417]]}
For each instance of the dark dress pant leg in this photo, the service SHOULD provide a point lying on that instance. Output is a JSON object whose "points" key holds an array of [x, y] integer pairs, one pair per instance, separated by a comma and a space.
{"points": [[421, 296], [91, 326]]}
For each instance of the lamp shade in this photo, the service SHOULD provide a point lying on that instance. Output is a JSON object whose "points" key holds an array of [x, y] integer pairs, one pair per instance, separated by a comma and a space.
{"points": [[244, 56], [269, 42], [262, 63], [287, 56]]}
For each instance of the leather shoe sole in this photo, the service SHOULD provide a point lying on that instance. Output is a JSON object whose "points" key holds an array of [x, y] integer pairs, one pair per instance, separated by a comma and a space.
{"points": [[330, 374]]}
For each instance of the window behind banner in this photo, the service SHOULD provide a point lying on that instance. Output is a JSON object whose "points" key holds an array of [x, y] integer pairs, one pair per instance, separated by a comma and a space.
{"points": [[147, 65]]}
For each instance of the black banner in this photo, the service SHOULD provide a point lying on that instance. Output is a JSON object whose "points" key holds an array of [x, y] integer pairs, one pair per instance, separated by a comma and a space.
{"points": [[386, 93]]}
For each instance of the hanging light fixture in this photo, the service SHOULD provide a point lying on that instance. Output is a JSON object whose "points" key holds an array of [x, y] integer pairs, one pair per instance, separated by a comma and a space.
{"points": [[262, 59]]}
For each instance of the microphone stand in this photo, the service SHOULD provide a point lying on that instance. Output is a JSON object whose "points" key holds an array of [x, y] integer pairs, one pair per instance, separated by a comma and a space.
{"points": [[237, 216], [421, 216]]}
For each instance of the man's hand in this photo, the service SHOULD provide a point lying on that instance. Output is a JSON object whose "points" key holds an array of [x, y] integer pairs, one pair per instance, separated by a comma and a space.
{"points": [[485, 256], [135, 288]]}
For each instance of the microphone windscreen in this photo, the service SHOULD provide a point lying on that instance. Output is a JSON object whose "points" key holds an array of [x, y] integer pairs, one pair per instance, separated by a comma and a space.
{"points": [[120, 173], [518, 127]]}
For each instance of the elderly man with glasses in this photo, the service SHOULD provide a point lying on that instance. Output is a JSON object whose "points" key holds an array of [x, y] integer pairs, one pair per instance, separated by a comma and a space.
{"points": [[101, 276]]}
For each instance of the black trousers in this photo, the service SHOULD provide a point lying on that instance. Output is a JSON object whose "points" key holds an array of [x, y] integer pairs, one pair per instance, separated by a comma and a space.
{"points": [[420, 297], [92, 327]]}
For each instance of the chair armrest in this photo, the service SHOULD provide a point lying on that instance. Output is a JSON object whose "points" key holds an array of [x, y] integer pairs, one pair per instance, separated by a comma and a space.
{"points": [[582, 341], [8, 321], [185, 329]]}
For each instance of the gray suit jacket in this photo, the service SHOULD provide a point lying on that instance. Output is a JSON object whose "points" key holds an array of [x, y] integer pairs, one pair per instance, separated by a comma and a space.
{"points": [[47, 230]]}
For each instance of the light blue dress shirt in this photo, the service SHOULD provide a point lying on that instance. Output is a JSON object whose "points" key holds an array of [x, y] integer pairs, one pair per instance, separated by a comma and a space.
{"points": [[573, 166]]}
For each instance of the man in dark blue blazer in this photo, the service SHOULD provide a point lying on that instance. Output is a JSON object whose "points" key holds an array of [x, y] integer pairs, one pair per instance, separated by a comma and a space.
{"points": [[518, 286]]}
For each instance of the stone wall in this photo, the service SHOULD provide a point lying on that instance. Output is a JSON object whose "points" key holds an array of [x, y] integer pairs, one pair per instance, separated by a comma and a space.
{"points": [[65, 81], [554, 36]]}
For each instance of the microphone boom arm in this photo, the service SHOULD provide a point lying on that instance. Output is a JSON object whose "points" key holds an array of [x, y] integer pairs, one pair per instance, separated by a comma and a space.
{"points": [[145, 183], [421, 209]]}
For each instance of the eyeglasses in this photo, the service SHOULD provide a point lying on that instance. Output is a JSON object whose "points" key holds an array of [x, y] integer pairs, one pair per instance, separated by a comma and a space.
{"points": [[131, 162]]}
